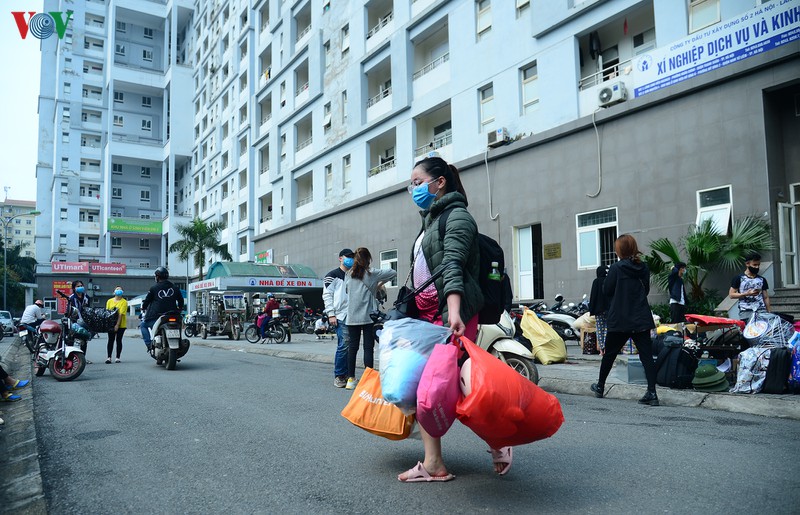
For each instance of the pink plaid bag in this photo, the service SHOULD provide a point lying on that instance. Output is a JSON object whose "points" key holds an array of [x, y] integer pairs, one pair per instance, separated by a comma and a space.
{"points": [[438, 391]]}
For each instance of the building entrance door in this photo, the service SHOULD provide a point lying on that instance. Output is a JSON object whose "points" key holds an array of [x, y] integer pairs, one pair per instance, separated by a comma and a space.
{"points": [[787, 237], [530, 276]]}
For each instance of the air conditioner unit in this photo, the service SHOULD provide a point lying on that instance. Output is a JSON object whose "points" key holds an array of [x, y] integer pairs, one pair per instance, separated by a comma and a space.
{"points": [[498, 138], [612, 93]]}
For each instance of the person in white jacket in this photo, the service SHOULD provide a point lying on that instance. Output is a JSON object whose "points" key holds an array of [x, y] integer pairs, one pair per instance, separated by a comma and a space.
{"points": [[335, 299], [362, 284]]}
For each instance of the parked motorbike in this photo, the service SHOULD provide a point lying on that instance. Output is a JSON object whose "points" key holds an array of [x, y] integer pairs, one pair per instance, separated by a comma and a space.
{"points": [[28, 334], [558, 317], [167, 346], [191, 325], [58, 347]]}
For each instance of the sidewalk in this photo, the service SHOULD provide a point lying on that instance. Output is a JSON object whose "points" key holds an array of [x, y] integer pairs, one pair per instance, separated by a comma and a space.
{"points": [[573, 377]]}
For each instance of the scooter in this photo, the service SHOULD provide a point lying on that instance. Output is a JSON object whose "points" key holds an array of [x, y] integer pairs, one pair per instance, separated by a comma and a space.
{"points": [[58, 347], [560, 320], [168, 346], [498, 340]]}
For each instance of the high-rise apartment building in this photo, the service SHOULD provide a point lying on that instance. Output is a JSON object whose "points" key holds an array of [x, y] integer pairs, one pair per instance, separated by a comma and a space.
{"points": [[296, 125], [21, 230]]}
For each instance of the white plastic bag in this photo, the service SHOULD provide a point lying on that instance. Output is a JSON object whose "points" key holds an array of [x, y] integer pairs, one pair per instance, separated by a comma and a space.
{"points": [[404, 348], [753, 363]]}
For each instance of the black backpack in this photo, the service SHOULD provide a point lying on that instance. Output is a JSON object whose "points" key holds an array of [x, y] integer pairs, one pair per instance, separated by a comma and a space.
{"points": [[778, 370], [497, 295], [675, 365]]}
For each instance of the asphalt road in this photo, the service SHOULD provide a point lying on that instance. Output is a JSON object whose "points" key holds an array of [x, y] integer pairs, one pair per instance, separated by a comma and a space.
{"points": [[230, 432]]}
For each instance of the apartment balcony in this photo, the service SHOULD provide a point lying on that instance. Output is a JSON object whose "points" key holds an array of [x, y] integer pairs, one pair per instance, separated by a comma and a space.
{"points": [[89, 250], [91, 126], [243, 224], [303, 36], [379, 105], [436, 72], [93, 100], [91, 151], [301, 95], [89, 227], [622, 76], [265, 224], [305, 207], [266, 124], [441, 144], [392, 163], [380, 31], [304, 150], [91, 176], [382, 176]]}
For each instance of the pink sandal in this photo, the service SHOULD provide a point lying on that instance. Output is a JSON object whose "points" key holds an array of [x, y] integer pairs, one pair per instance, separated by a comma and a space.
{"points": [[503, 455], [418, 474]]}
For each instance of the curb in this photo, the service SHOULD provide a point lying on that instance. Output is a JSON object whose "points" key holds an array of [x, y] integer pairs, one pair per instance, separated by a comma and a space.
{"points": [[22, 490]]}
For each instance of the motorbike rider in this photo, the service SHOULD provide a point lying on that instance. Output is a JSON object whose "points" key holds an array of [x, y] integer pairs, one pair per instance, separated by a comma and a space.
{"points": [[79, 300], [272, 304], [163, 297], [33, 315]]}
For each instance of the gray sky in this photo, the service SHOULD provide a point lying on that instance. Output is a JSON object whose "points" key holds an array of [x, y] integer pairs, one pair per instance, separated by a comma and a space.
{"points": [[19, 89]]}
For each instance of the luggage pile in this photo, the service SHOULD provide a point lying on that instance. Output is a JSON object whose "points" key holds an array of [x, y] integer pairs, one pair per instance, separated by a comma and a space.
{"points": [[772, 363]]}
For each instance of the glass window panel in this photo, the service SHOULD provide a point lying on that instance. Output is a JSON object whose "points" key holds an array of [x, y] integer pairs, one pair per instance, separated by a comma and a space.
{"points": [[587, 249]]}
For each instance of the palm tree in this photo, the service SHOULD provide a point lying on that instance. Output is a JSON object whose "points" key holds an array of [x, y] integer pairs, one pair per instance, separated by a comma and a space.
{"points": [[708, 251], [200, 236]]}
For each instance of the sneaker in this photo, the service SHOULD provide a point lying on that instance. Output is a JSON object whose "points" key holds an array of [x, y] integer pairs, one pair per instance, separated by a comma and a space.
{"points": [[598, 390], [339, 382], [108, 361], [649, 398], [116, 360], [351, 383]]}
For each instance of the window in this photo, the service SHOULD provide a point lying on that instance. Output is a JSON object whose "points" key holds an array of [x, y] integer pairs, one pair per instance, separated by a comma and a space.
{"points": [[116, 169], [389, 261], [118, 120], [145, 171], [144, 216], [116, 243], [62, 239], [147, 102], [148, 33], [63, 214], [144, 195], [326, 117], [67, 88], [644, 41], [327, 54], [116, 213], [596, 233], [65, 114], [147, 55], [702, 13], [144, 264], [530, 88], [64, 188], [328, 179], [715, 205], [522, 7], [146, 125], [65, 137], [345, 39], [122, 26], [144, 244], [487, 105], [346, 170], [119, 49], [344, 107], [483, 17], [119, 97], [116, 193]]}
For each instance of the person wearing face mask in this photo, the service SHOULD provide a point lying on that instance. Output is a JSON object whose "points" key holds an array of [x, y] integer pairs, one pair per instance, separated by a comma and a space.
{"points": [[455, 298], [361, 284], [121, 305], [334, 297], [79, 300], [750, 288]]}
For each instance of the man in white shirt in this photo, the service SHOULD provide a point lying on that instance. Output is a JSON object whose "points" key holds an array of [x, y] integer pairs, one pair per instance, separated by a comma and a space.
{"points": [[33, 314]]}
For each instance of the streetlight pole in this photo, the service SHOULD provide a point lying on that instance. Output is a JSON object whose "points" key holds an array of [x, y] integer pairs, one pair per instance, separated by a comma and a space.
{"points": [[6, 224]]}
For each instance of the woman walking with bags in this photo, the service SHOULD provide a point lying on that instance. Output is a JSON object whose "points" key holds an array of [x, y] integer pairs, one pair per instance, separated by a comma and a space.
{"points": [[121, 305], [361, 283], [628, 315], [454, 299]]}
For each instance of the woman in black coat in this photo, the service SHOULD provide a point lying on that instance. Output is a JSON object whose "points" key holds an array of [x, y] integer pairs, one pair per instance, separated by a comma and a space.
{"points": [[598, 306], [629, 315]]}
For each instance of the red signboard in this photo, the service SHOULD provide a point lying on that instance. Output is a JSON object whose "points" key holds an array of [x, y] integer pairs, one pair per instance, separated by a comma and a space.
{"points": [[108, 268], [64, 287], [68, 267]]}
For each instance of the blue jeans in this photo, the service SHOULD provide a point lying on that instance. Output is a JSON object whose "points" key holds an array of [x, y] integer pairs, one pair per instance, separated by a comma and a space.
{"points": [[145, 327], [340, 359]]}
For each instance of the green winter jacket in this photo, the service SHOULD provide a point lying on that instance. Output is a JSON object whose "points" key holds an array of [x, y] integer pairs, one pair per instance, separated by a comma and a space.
{"points": [[460, 245]]}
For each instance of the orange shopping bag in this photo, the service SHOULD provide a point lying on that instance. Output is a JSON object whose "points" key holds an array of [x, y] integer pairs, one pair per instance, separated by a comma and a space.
{"points": [[368, 410]]}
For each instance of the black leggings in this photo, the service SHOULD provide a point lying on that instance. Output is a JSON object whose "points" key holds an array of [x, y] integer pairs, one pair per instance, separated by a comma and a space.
{"points": [[353, 339], [614, 343], [3, 374], [115, 336]]}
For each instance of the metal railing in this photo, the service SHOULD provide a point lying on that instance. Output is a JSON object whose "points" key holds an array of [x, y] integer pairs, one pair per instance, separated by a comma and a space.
{"points": [[302, 88], [380, 96], [431, 66], [303, 32], [381, 24], [305, 200], [606, 74], [304, 144], [443, 140], [382, 168], [267, 117]]}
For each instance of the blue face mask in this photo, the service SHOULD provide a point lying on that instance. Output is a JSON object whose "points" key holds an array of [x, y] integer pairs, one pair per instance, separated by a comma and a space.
{"points": [[422, 197], [80, 289], [348, 262], [118, 293]]}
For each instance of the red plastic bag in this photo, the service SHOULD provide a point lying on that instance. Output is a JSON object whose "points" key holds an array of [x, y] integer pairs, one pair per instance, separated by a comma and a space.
{"points": [[504, 408], [438, 391]]}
